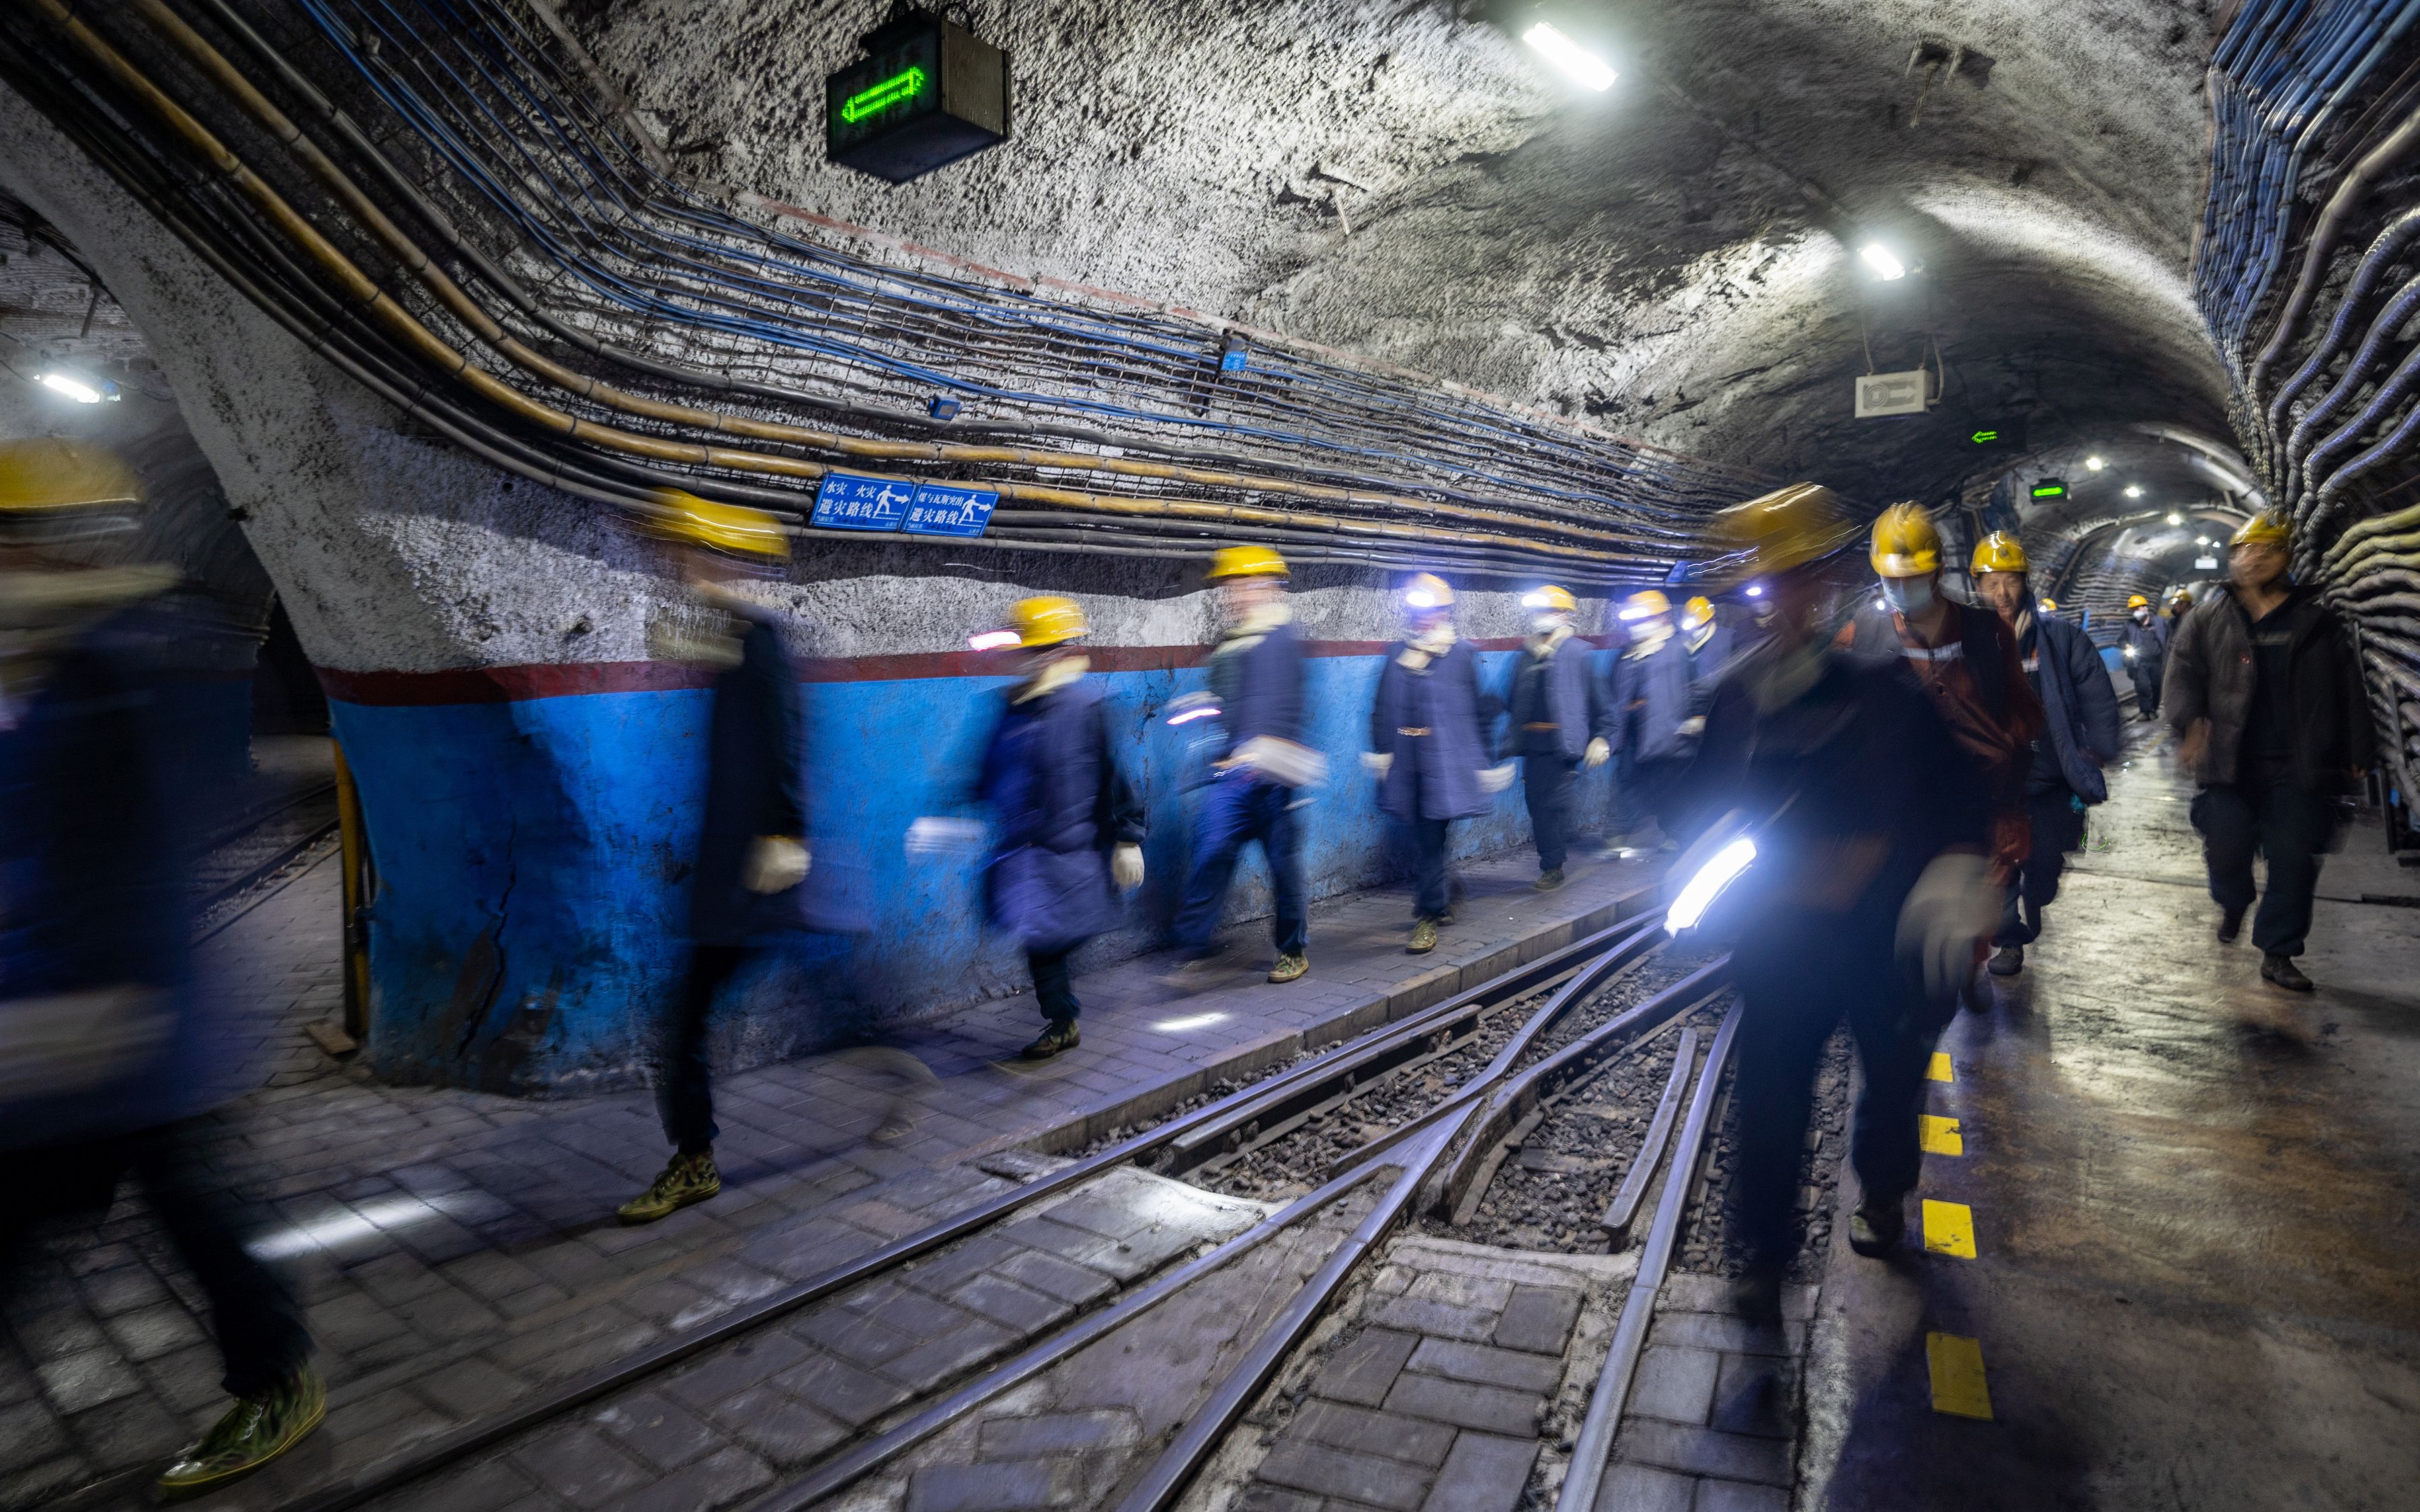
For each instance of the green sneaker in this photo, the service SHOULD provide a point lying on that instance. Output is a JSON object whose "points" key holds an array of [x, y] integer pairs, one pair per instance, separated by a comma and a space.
{"points": [[1290, 966], [689, 1179], [1061, 1035], [1423, 937], [256, 1430]]}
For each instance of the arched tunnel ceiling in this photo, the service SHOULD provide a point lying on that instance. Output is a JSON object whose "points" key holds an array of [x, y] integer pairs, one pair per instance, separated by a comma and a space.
{"points": [[1668, 257]]}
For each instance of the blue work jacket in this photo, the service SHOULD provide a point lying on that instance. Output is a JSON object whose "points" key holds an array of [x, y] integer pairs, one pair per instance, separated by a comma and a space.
{"points": [[2149, 643], [1058, 805], [1258, 687], [2080, 708], [755, 786], [1435, 772], [1708, 662], [1565, 698], [1650, 696]]}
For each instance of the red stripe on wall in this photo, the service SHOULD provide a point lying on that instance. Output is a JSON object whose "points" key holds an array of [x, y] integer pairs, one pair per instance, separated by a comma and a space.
{"points": [[511, 684]]}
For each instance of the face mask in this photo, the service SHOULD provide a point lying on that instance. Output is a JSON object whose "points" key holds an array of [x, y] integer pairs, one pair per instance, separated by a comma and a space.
{"points": [[2142, 616], [1909, 595]]}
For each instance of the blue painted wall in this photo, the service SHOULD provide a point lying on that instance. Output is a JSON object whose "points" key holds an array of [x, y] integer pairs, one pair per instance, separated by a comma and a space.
{"points": [[532, 855]]}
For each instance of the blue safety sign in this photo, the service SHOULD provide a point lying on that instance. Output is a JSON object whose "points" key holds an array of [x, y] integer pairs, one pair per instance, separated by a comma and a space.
{"points": [[848, 503], [946, 509]]}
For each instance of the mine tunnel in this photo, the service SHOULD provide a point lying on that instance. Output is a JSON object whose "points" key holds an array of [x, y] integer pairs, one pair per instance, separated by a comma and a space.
{"points": [[1300, 757]]}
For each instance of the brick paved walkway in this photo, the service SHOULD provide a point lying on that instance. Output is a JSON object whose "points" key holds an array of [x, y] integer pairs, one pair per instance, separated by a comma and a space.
{"points": [[456, 1248]]}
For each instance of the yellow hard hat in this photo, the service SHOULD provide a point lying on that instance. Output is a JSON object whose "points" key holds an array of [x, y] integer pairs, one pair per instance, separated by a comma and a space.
{"points": [[43, 473], [1696, 612], [734, 530], [2134, 601], [1551, 597], [2181, 598], [2261, 529], [1787, 528], [1245, 561], [1999, 552], [1428, 591], [1905, 543], [1646, 604], [1046, 621], [2048, 605]]}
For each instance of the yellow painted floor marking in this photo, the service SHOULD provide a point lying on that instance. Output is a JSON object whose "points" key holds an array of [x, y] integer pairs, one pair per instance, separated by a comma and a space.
{"points": [[1958, 1385], [1939, 1070], [1948, 1228], [1939, 1136]]}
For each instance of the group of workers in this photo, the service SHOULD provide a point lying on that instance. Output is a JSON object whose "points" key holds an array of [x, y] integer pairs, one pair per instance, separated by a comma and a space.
{"points": [[1910, 782]]}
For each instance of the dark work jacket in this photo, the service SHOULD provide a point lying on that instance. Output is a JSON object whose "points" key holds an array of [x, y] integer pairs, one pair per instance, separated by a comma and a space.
{"points": [[1058, 805], [1651, 695], [1563, 693], [1708, 664], [755, 784], [1259, 689], [2210, 674], [1988, 648], [1434, 775], [2078, 708], [2149, 643], [95, 810], [1873, 785]]}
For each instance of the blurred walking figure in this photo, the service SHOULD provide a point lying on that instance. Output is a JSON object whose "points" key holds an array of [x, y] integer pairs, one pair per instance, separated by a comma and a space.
{"points": [[2081, 734], [1068, 827], [1557, 725], [2146, 642], [1428, 745], [1256, 682], [105, 1045], [752, 846], [1867, 893], [2266, 695], [1653, 715]]}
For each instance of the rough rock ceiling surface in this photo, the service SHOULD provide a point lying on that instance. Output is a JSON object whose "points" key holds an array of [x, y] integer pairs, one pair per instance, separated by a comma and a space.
{"points": [[1674, 258]]}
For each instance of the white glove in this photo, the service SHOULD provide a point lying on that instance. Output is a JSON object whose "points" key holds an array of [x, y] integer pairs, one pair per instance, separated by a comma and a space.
{"points": [[1378, 762], [1694, 725], [776, 863], [1598, 752], [1952, 905], [1496, 779], [1126, 866], [931, 836]]}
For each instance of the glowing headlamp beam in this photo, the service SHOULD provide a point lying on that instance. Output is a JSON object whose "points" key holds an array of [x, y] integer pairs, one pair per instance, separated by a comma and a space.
{"points": [[1575, 63], [81, 391], [994, 641], [1421, 598], [1701, 891]]}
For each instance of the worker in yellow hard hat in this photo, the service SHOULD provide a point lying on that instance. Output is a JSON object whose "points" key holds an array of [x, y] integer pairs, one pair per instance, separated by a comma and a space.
{"points": [[2266, 695], [1655, 723], [106, 1042], [1967, 661], [1556, 723], [2047, 605], [1866, 892], [1068, 826], [2082, 734], [1429, 746], [751, 852], [1259, 762], [2144, 646], [1711, 648]]}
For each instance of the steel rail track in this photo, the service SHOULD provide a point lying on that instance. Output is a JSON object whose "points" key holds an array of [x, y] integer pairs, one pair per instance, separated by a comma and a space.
{"points": [[1323, 1076]]}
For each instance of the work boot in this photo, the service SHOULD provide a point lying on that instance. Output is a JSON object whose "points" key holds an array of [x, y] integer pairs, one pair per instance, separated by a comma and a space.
{"points": [[1192, 973], [2007, 961], [2280, 971], [1876, 1228], [690, 1178], [2231, 924], [1756, 1296], [1548, 881], [1423, 937], [1062, 1035], [253, 1431], [1290, 966]]}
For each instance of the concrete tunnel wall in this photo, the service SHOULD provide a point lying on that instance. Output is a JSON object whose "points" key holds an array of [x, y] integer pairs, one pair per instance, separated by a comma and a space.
{"points": [[531, 782]]}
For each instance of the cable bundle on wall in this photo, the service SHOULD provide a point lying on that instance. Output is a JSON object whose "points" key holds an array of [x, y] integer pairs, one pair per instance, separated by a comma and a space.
{"points": [[526, 284]]}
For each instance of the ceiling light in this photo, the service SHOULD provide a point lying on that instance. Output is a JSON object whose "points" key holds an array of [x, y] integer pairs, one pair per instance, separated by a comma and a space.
{"points": [[2175, 518], [1576, 63], [2094, 463], [2133, 490], [83, 391], [1879, 258]]}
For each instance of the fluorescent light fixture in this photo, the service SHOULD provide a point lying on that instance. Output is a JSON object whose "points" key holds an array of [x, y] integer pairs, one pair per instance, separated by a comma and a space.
{"points": [[1879, 258], [1701, 891], [2133, 490], [2094, 463], [1184, 1026], [1575, 62], [2175, 518], [74, 388], [1201, 712], [993, 640]]}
